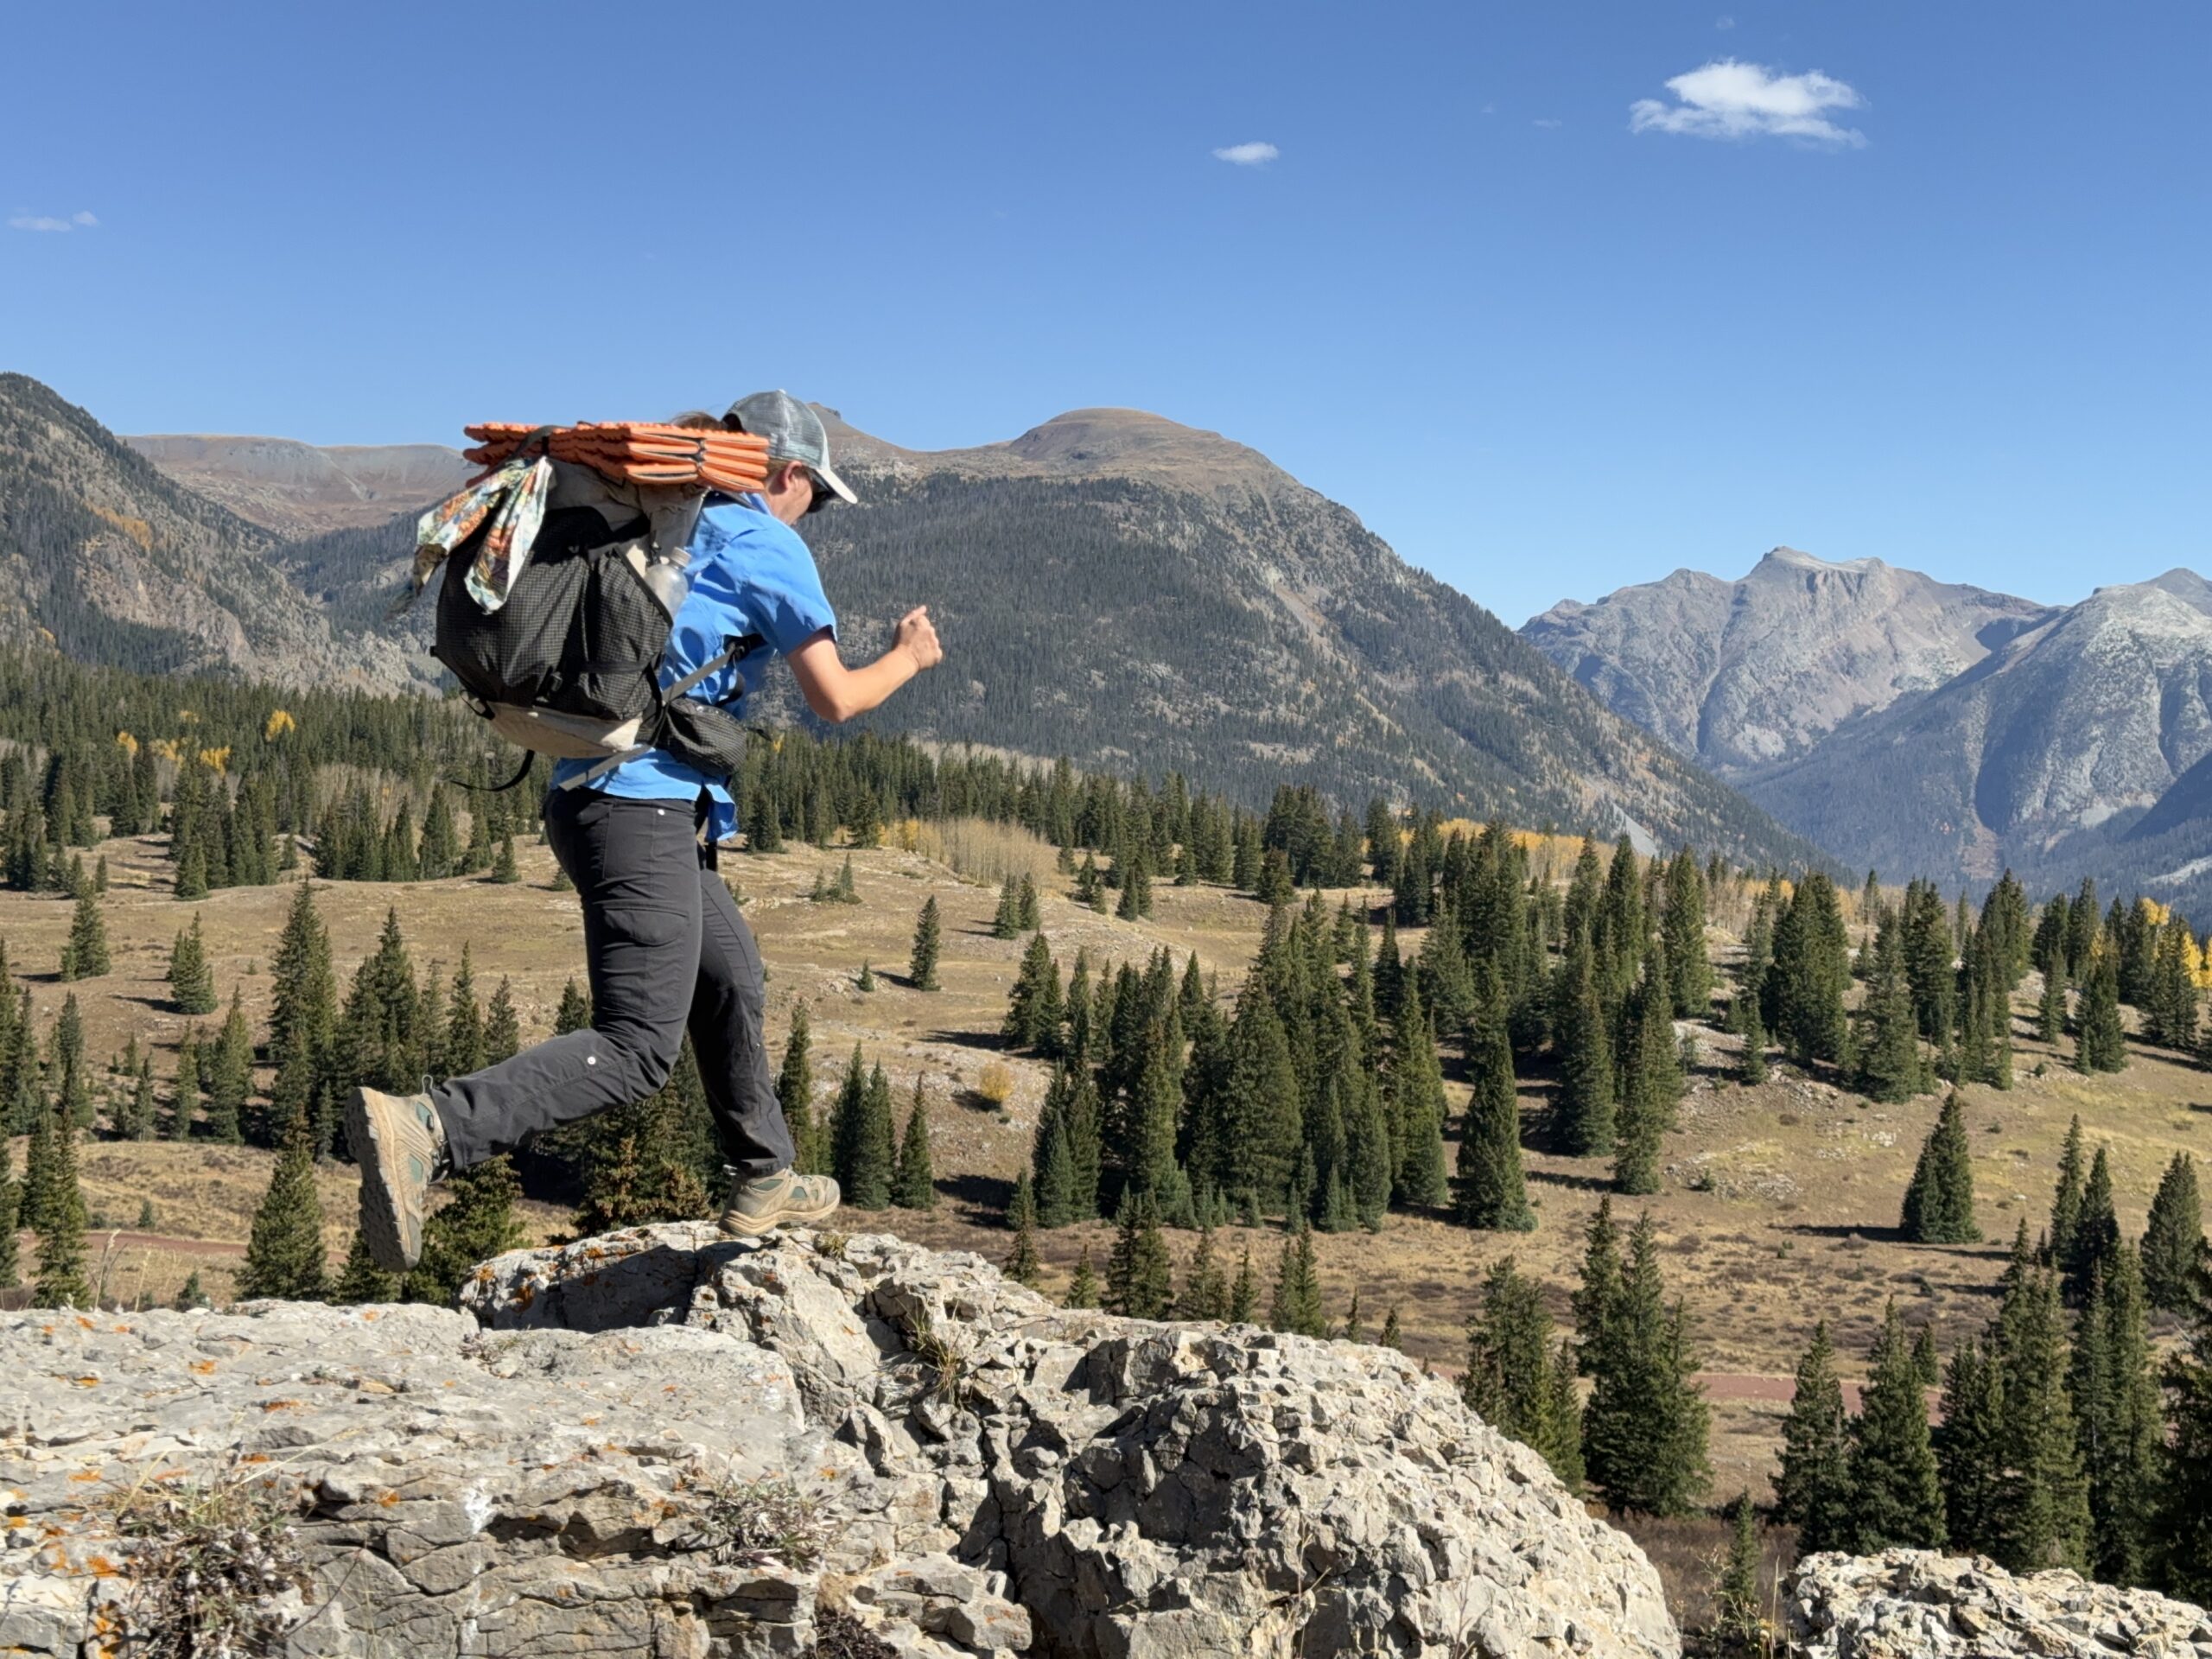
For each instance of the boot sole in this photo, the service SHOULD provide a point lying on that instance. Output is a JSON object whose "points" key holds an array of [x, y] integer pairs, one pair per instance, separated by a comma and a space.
{"points": [[738, 1226], [382, 1225]]}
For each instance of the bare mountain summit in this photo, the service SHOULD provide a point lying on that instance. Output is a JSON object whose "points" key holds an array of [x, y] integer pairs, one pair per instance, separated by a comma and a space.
{"points": [[1746, 674], [297, 489]]}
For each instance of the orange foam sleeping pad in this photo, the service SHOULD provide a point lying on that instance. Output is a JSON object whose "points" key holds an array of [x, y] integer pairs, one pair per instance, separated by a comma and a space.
{"points": [[639, 451]]}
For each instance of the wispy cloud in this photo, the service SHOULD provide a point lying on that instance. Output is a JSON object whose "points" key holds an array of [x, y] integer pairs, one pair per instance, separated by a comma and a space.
{"points": [[1246, 154], [76, 221], [1730, 99], [1723, 22], [1547, 121]]}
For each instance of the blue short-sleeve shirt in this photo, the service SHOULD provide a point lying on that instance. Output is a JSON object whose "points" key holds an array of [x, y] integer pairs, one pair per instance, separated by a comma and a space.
{"points": [[751, 574]]}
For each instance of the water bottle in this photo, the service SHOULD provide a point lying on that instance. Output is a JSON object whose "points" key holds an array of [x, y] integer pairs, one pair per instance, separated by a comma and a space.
{"points": [[665, 581]]}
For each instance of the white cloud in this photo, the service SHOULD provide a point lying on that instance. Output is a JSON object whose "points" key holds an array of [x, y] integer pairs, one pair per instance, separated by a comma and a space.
{"points": [[1546, 121], [1729, 99], [1723, 22], [1247, 155], [47, 222]]}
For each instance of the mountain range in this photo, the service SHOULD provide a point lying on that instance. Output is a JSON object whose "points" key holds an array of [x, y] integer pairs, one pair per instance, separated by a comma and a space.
{"points": [[1927, 728], [1137, 594]]}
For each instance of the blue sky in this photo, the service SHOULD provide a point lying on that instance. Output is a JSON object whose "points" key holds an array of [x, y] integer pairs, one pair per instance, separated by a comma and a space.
{"points": [[1920, 283]]}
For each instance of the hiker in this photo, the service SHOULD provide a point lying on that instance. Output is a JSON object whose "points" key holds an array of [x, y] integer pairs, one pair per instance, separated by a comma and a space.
{"points": [[666, 947]]}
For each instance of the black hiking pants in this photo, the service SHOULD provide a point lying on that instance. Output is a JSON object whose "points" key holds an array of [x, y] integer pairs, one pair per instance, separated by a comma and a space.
{"points": [[668, 952]]}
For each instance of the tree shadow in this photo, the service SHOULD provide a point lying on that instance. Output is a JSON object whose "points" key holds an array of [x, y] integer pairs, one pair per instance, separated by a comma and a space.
{"points": [[984, 1042], [982, 1199], [1572, 1180]]}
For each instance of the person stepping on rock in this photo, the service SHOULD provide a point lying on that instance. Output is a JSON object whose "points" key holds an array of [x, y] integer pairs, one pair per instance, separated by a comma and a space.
{"points": [[666, 949]]}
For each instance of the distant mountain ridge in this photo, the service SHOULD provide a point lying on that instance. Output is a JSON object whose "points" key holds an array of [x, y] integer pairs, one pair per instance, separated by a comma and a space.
{"points": [[1750, 674], [2063, 741], [299, 489], [1138, 595]]}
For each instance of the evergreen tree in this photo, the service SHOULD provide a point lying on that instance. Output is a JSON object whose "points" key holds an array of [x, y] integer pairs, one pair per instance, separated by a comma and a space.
{"points": [[58, 1217], [913, 1186], [1021, 1264], [1651, 1081], [461, 1050], [502, 1026], [229, 1075], [1750, 1070], [2044, 1514], [1689, 968], [85, 955], [190, 1295], [361, 1281], [1296, 1307], [921, 969], [11, 1200], [2095, 1238], [192, 985], [1811, 971], [1244, 1291], [2100, 1044], [1205, 1294], [476, 1223], [1739, 1627], [2185, 1515], [861, 1145], [1896, 1495], [1083, 1289], [1033, 1014], [1814, 1491], [795, 1093], [1971, 1453], [2117, 1406], [1585, 1045], [1513, 1371], [1139, 1277], [1417, 1106], [1645, 1426], [192, 873], [1006, 921], [2066, 1201], [285, 1256], [1889, 1049], [2173, 1242], [1939, 1203], [504, 869], [1492, 1194]]}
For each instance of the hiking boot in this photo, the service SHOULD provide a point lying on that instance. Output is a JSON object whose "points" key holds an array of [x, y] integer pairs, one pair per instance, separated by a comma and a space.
{"points": [[400, 1145], [783, 1199]]}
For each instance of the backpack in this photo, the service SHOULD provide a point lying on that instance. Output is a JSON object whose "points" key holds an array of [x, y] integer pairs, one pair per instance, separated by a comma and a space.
{"points": [[567, 663]]}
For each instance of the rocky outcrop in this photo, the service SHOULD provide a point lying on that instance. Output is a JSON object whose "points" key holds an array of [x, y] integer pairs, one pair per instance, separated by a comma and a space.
{"points": [[665, 1442], [1914, 1604]]}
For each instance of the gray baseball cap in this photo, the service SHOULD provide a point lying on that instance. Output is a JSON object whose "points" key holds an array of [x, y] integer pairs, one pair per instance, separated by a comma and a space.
{"points": [[794, 432]]}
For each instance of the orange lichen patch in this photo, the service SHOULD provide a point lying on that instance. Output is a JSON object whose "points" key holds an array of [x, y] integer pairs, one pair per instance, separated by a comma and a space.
{"points": [[368, 1316], [484, 1275], [100, 1567], [525, 1294], [389, 1499], [591, 1422], [826, 1473], [201, 1368], [85, 1381], [281, 1405], [255, 1457], [86, 1323], [85, 1474]]}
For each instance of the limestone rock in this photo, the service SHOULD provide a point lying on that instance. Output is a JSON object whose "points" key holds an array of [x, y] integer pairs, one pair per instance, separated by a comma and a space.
{"points": [[664, 1442], [1913, 1604]]}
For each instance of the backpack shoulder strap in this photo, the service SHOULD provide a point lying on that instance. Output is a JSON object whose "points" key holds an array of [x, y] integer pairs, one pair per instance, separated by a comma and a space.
{"points": [[744, 646]]}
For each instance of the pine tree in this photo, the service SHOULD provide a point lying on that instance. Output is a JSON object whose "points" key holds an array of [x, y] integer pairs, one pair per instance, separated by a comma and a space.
{"points": [[1511, 1377], [229, 1078], [1971, 1451], [1926, 1362], [2044, 1513], [913, 1186], [1813, 1490], [1030, 912], [2100, 1044], [1033, 1014], [1939, 1203], [795, 1093], [192, 873], [58, 1217], [476, 1224], [1139, 1277], [192, 985], [1810, 973], [12, 1203], [190, 1296], [2173, 1242], [2185, 1514], [1739, 1627], [1889, 1049], [2114, 1393], [361, 1281], [921, 969], [1021, 1264], [1896, 1495], [1585, 1044], [2066, 1201], [1492, 1194], [2096, 1236], [1296, 1305], [866, 1156], [1205, 1294], [1750, 1070], [85, 955], [1645, 1426], [1082, 1288], [1006, 921], [502, 1026], [285, 1256], [504, 869], [1417, 1088], [1244, 1291], [461, 1050], [1651, 1081]]}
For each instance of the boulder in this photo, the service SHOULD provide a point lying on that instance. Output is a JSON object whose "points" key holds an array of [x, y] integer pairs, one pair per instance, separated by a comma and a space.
{"points": [[665, 1442], [1913, 1604]]}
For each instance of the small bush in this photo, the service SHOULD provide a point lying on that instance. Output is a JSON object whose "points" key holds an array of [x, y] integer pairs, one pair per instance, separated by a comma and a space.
{"points": [[995, 1083], [762, 1520], [210, 1567]]}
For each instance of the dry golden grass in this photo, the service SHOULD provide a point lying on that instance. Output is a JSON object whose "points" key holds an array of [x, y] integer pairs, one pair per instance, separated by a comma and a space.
{"points": [[981, 850], [1780, 1203]]}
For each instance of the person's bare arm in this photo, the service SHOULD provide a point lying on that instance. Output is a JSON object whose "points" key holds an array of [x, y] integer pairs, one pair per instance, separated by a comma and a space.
{"points": [[837, 693]]}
